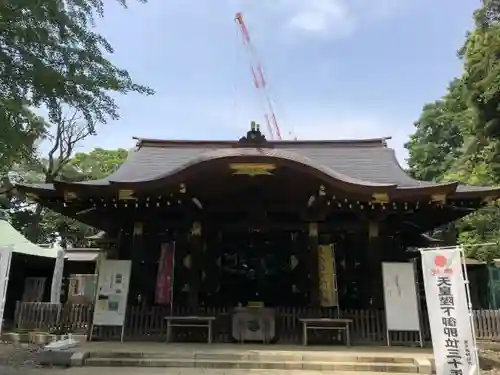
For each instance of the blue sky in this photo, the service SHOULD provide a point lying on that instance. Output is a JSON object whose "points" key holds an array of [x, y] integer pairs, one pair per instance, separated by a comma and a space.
{"points": [[335, 68]]}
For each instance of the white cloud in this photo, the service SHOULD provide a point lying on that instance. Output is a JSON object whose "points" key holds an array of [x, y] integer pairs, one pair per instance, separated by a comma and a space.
{"points": [[318, 16], [328, 18]]}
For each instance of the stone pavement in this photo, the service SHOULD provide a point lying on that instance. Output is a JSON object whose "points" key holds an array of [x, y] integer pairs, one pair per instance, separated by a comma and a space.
{"points": [[251, 359], [183, 371], [193, 348]]}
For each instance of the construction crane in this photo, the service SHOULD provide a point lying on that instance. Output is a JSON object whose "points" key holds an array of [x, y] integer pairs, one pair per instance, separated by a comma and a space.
{"points": [[258, 78]]}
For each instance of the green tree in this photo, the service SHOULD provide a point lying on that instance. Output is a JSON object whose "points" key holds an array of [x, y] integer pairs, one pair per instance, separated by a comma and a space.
{"points": [[52, 58], [483, 226], [20, 132], [96, 164], [438, 140], [488, 14], [458, 137], [481, 58]]}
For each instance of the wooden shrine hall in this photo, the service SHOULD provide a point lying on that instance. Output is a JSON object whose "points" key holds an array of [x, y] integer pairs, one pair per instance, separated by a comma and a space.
{"points": [[274, 224]]}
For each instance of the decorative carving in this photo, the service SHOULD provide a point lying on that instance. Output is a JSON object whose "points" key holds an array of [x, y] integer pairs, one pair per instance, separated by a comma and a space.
{"points": [[322, 191], [252, 169], [311, 200], [380, 198], [196, 229], [70, 195], [187, 261], [254, 137], [126, 195], [373, 229], [197, 203], [313, 229], [138, 227], [439, 198]]}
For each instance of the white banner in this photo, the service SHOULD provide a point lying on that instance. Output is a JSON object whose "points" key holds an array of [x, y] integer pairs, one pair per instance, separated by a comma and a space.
{"points": [[451, 330], [57, 278], [5, 259]]}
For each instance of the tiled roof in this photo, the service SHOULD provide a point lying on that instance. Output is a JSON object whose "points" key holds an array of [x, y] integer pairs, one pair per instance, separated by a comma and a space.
{"points": [[362, 162], [371, 163]]}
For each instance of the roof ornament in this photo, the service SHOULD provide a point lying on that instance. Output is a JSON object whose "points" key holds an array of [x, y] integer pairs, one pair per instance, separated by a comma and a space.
{"points": [[254, 137]]}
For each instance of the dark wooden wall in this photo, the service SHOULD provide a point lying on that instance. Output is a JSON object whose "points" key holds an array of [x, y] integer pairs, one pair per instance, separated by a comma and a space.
{"points": [[358, 265]]}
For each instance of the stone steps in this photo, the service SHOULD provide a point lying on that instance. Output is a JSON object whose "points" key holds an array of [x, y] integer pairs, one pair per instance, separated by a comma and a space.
{"points": [[334, 363], [255, 356]]}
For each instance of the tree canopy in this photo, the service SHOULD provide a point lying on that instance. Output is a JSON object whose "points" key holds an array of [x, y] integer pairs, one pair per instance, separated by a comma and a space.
{"points": [[57, 82], [457, 137], [42, 225], [52, 58]]}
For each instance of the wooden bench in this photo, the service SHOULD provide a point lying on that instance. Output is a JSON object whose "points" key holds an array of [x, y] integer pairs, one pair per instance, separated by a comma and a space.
{"points": [[189, 321], [326, 324]]}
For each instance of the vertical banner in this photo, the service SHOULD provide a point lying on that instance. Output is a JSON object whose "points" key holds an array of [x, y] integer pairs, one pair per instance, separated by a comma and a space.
{"points": [[326, 276], [5, 259], [165, 278], [57, 277], [450, 323]]}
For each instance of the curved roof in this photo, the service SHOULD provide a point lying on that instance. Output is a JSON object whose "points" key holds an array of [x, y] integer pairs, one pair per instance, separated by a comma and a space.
{"points": [[361, 164], [12, 239]]}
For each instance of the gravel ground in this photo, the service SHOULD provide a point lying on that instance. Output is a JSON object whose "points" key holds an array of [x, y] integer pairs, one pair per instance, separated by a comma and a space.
{"points": [[490, 361], [18, 357]]}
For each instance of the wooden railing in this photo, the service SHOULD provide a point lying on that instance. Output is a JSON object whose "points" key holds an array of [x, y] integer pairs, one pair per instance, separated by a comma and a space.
{"points": [[147, 323], [52, 317]]}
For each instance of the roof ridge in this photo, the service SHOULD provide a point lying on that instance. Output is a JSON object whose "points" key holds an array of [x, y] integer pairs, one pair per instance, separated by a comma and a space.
{"points": [[153, 142]]}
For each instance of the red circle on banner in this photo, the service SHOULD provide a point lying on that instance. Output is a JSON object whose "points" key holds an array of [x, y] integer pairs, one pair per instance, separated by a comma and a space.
{"points": [[440, 261]]}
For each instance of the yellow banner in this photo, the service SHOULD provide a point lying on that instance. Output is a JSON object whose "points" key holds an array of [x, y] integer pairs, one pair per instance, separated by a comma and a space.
{"points": [[327, 277]]}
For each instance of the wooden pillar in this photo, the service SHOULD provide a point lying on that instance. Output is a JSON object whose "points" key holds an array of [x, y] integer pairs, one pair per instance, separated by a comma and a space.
{"points": [[375, 265], [196, 245], [312, 257]]}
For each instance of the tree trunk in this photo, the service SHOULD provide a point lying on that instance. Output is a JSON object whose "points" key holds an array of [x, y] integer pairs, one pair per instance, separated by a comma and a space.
{"points": [[33, 230]]}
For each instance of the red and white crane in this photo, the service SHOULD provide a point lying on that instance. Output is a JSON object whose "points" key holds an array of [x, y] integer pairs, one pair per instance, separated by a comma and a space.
{"points": [[259, 78]]}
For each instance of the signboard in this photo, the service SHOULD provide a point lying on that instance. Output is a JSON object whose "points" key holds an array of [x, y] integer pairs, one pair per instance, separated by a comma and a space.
{"points": [[449, 319], [326, 276], [112, 293], [400, 296], [5, 258], [57, 277], [165, 278]]}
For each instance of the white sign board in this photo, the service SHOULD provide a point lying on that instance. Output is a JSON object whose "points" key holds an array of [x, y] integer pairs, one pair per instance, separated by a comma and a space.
{"points": [[449, 320], [5, 259], [112, 292], [57, 278], [400, 295]]}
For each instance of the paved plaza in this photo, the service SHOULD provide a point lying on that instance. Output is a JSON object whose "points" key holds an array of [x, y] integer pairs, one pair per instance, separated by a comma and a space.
{"points": [[175, 371]]}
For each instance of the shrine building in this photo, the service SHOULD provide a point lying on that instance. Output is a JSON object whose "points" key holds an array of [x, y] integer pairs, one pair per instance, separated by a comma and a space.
{"points": [[248, 218]]}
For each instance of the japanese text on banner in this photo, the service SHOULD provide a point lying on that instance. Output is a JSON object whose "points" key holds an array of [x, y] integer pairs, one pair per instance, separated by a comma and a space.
{"points": [[449, 319]]}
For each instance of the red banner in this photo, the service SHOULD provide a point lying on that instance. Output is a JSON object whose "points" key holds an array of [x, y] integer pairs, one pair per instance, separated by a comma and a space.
{"points": [[165, 279]]}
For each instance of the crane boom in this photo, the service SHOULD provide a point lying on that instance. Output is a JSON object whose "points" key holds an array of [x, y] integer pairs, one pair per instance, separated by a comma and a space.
{"points": [[258, 77]]}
